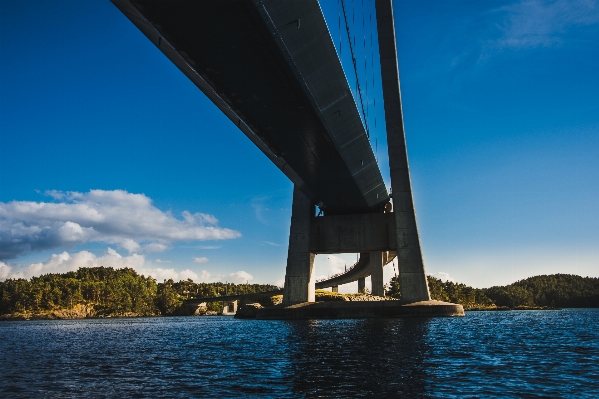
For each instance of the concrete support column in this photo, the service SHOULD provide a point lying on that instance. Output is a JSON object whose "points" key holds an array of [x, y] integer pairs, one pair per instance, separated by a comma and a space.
{"points": [[335, 288], [299, 282], [361, 284], [376, 273], [412, 275]]}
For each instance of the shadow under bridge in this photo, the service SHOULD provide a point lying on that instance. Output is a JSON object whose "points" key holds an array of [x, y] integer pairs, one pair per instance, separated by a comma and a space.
{"points": [[271, 67]]}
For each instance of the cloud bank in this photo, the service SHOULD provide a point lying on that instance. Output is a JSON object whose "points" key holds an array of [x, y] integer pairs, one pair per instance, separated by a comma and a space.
{"points": [[65, 262], [240, 277], [116, 217], [443, 276]]}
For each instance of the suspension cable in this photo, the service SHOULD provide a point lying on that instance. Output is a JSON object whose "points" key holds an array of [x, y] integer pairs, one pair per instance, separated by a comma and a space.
{"points": [[372, 89], [365, 65], [351, 49], [339, 28]]}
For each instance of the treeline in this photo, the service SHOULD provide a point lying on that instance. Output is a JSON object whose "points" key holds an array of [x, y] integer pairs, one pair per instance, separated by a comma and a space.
{"points": [[104, 291], [557, 290], [110, 292]]}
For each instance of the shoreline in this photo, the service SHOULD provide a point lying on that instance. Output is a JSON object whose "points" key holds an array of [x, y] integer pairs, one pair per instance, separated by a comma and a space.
{"points": [[505, 308], [51, 316]]}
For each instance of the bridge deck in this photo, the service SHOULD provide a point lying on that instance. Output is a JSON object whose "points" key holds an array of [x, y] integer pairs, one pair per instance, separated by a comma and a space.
{"points": [[272, 68]]}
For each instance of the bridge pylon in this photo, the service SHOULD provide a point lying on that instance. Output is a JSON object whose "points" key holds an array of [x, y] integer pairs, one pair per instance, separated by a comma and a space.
{"points": [[283, 85], [299, 280], [412, 274], [374, 232]]}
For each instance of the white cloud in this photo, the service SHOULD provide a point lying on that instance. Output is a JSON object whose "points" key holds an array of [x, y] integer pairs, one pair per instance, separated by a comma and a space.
{"points": [[130, 245], [117, 217], [188, 274], [57, 195], [272, 244], [199, 218], [240, 277], [65, 262], [538, 23], [201, 260], [443, 276], [204, 276], [328, 265], [162, 261], [161, 274], [154, 247], [6, 272]]}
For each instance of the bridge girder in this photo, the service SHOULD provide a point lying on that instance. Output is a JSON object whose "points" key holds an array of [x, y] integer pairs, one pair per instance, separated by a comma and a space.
{"points": [[272, 68]]}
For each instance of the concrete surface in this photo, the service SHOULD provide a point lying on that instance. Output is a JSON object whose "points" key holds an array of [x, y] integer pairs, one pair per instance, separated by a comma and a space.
{"points": [[409, 254], [359, 310]]}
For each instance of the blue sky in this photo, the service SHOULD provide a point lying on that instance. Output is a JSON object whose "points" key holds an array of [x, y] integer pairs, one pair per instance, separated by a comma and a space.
{"points": [[111, 156]]}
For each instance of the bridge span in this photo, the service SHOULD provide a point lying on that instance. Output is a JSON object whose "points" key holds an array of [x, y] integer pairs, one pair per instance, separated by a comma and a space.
{"points": [[271, 67]]}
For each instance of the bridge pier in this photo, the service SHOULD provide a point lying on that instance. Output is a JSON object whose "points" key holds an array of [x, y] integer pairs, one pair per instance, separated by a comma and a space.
{"points": [[229, 308], [299, 281], [376, 273], [412, 275], [335, 288], [317, 138], [361, 284]]}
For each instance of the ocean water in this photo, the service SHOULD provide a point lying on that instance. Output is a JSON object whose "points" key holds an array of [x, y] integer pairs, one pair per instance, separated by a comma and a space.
{"points": [[485, 354]]}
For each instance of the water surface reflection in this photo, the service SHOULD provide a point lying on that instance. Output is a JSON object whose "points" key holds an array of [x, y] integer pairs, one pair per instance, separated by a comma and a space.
{"points": [[485, 354], [359, 358]]}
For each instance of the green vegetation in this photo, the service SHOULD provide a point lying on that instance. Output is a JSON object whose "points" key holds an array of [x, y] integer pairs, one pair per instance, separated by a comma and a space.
{"points": [[108, 292], [328, 296], [558, 290]]}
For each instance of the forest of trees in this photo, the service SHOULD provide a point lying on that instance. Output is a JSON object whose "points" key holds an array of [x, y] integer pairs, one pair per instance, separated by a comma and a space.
{"points": [[557, 290], [110, 292], [114, 292]]}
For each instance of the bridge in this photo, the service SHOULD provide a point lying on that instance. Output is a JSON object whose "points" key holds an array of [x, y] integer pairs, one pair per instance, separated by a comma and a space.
{"points": [[272, 68]]}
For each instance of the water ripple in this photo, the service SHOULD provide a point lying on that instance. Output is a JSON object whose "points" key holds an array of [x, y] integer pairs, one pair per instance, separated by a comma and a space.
{"points": [[486, 354]]}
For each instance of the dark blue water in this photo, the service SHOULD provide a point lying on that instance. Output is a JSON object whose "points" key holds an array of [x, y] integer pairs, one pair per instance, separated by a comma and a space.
{"points": [[485, 354]]}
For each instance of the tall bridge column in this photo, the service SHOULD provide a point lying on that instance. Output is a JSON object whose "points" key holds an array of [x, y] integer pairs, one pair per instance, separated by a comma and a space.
{"points": [[299, 283], [412, 275], [376, 273], [361, 284]]}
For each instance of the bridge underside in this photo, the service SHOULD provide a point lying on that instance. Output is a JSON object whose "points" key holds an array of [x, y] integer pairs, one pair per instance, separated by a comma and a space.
{"points": [[272, 68]]}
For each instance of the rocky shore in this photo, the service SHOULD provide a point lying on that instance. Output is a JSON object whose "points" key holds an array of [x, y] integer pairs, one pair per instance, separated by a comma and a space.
{"points": [[79, 311]]}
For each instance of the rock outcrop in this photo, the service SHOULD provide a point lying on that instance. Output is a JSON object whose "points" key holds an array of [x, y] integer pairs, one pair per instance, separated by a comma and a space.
{"points": [[248, 311]]}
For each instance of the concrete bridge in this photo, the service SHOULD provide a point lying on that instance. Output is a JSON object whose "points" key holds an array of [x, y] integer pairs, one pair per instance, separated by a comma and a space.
{"points": [[271, 67]]}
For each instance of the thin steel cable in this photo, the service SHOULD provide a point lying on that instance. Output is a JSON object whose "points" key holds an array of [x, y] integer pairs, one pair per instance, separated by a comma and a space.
{"points": [[351, 49], [365, 65], [339, 28], [376, 145]]}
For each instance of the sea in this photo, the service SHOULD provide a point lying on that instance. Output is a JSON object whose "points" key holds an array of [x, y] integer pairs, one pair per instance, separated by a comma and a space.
{"points": [[517, 354]]}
